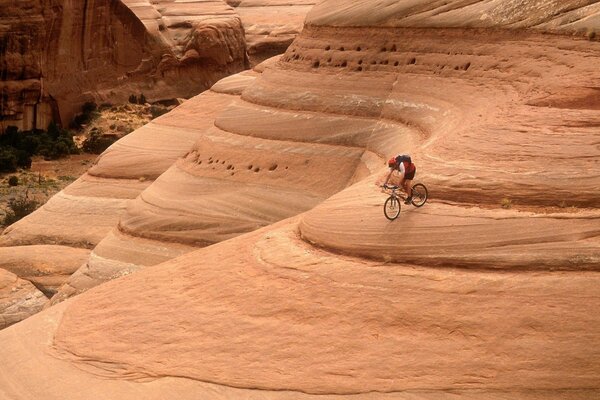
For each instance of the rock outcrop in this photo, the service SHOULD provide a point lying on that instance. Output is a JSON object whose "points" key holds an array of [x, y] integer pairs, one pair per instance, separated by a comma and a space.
{"points": [[46, 266], [19, 299], [55, 55], [270, 25], [459, 297]]}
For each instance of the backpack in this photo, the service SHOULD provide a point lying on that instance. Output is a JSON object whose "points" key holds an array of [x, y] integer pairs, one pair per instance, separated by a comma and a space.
{"points": [[403, 157]]}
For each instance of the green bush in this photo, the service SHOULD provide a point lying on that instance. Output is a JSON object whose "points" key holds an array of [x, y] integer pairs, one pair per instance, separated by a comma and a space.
{"points": [[10, 137], [157, 111], [17, 148], [97, 142], [18, 208], [55, 144], [89, 112], [89, 107], [23, 159], [8, 159], [13, 181]]}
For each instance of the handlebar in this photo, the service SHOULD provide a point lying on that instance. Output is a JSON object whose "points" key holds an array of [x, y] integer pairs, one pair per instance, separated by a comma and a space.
{"points": [[389, 187]]}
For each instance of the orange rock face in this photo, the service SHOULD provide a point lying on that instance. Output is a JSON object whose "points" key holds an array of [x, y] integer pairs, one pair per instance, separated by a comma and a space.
{"points": [[495, 101]]}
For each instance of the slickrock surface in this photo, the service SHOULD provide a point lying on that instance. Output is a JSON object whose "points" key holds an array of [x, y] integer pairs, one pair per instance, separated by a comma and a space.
{"points": [[18, 299], [256, 311], [85, 212], [48, 267], [459, 299]]}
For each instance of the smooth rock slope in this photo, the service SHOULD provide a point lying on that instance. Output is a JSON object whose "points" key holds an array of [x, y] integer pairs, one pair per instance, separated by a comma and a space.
{"points": [[461, 298]]}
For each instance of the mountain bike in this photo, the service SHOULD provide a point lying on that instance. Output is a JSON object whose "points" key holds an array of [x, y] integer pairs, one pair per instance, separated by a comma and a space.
{"points": [[392, 206]]}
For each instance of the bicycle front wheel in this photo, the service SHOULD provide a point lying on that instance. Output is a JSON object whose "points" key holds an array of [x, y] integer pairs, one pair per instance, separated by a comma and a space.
{"points": [[419, 195], [391, 208]]}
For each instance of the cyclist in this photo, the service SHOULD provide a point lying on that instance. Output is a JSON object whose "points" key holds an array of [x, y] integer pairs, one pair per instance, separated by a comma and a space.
{"points": [[405, 169]]}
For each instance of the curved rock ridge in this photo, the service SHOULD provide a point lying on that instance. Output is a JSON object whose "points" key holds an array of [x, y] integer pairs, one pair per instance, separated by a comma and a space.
{"points": [[29, 341], [134, 162], [442, 235], [85, 212], [270, 299], [484, 104], [244, 173], [47, 267], [555, 15]]}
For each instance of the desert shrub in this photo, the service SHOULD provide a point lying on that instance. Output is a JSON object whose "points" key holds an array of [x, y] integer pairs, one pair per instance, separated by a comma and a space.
{"points": [[142, 99], [591, 35], [56, 143], [17, 148], [89, 107], [30, 143], [133, 99], [8, 159], [97, 142], [10, 137], [55, 150], [23, 159], [157, 111], [18, 208], [13, 181], [506, 203], [89, 112]]}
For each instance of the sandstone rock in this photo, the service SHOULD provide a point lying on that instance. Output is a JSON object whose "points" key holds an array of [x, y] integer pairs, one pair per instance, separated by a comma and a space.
{"points": [[48, 267], [289, 102], [270, 25], [460, 298], [56, 56], [18, 299]]}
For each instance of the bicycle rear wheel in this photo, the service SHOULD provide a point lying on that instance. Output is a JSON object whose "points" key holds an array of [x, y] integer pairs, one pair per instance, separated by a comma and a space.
{"points": [[391, 208], [419, 195]]}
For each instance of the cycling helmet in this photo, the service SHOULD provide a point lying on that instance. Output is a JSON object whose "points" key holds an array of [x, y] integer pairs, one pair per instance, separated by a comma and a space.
{"points": [[392, 163]]}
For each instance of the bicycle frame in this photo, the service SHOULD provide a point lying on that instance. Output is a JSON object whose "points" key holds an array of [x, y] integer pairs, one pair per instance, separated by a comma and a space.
{"points": [[396, 192]]}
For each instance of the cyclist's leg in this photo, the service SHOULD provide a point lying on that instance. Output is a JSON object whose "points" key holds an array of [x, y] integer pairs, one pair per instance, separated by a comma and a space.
{"points": [[407, 185]]}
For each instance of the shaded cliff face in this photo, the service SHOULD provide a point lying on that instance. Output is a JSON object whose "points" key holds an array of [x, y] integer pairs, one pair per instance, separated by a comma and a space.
{"points": [[58, 54], [23, 36]]}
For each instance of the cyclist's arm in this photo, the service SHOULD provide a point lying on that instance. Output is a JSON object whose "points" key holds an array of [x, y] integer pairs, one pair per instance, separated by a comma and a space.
{"points": [[389, 176]]}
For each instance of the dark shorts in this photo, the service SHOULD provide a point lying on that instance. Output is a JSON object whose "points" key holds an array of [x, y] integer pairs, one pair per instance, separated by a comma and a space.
{"points": [[410, 175]]}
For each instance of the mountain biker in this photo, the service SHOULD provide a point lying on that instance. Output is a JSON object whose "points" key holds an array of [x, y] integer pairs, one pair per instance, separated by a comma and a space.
{"points": [[403, 165]]}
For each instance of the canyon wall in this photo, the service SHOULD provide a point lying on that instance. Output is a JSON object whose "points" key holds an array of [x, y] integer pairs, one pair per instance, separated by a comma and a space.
{"points": [[57, 54]]}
